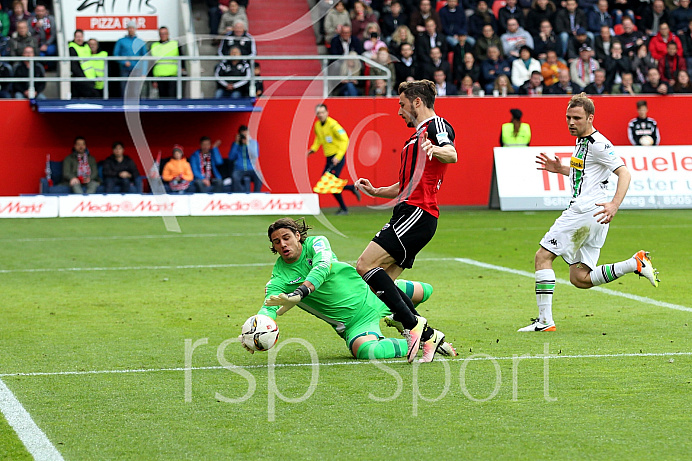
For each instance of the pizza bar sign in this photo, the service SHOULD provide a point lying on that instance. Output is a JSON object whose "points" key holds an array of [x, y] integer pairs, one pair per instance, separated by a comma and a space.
{"points": [[109, 23]]}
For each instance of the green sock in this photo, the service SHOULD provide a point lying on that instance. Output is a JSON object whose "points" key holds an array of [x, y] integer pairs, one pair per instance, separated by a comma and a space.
{"points": [[387, 348], [427, 291], [407, 287]]}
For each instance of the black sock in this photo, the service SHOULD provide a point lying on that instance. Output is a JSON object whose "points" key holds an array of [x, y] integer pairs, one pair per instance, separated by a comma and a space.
{"points": [[340, 199], [388, 292]]}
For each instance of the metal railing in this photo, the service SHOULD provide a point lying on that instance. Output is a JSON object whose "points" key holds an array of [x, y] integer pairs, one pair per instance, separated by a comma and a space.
{"points": [[140, 71]]}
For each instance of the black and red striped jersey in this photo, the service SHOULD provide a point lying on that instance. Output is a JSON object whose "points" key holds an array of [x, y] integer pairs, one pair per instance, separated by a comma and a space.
{"points": [[419, 177]]}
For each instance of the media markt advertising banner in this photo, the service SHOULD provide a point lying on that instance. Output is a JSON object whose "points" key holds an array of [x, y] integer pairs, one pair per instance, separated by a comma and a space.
{"points": [[661, 178], [106, 20]]}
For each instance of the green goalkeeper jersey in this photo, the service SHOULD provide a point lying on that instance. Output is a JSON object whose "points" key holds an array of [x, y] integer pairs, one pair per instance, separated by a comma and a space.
{"points": [[341, 297]]}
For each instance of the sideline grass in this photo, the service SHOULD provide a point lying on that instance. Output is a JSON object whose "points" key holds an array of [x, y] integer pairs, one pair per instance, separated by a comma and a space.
{"points": [[606, 408]]}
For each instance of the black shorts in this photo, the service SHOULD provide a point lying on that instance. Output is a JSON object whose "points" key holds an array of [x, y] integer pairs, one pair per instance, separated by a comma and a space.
{"points": [[409, 230]]}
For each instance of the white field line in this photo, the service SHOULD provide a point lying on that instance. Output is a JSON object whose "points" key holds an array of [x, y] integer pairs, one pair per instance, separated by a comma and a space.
{"points": [[33, 438], [641, 299], [131, 268], [129, 237], [477, 357]]}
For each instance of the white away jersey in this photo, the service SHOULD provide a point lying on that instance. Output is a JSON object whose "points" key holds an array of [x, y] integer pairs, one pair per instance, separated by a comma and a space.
{"points": [[591, 164]]}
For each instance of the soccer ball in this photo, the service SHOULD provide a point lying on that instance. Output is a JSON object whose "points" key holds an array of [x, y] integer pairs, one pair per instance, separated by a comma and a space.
{"points": [[260, 333], [646, 140]]}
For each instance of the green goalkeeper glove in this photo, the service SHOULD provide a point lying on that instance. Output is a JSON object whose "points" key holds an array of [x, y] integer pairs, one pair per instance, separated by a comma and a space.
{"points": [[288, 300]]}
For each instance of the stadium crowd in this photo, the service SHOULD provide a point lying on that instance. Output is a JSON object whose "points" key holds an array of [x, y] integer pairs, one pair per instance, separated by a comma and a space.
{"points": [[504, 47]]}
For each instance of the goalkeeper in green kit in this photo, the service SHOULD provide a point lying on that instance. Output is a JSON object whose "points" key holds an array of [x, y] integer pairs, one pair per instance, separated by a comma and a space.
{"points": [[309, 275]]}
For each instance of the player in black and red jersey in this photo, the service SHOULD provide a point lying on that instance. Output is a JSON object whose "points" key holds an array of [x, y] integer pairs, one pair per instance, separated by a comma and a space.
{"points": [[424, 160]]}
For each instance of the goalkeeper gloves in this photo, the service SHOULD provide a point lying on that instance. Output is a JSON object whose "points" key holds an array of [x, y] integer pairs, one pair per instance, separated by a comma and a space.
{"points": [[288, 300]]}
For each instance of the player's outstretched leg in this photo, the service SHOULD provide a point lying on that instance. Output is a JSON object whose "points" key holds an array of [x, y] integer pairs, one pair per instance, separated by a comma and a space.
{"points": [[545, 286], [639, 264], [417, 292], [387, 348]]}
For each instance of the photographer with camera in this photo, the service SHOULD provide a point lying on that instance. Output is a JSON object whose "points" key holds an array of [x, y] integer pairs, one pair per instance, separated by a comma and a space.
{"points": [[244, 156]]}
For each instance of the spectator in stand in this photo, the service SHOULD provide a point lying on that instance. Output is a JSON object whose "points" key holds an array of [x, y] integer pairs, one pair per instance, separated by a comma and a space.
{"points": [[616, 64], [349, 86], [653, 16], [533, 86], [643, 126], [653, 84], [514, 39], [682, 83], [345, 43], [437, 63], [442, 86], [515, 133], [5, 87], [372, 42], [541, 10], [99, 65], [627, 86], [401, 35], [22, 38], [453, 21], [79, 169], [621, 9], [240, 38], [670, 64], [17, 14], [378, 88], [523, 67], [681, 17], [641, 64], [470, 88], [631, 38], [576, 42], [166, 47], [237, 67], [215, 13], [130, 47], [229, 18], [467, 66], [21, 70], [686, 40], [493, 66], [481, 17], [418, 18], [119, 170], [659, 43], [545, 41], [428, 40], [4, 32], [550, 69], [336, 18], [43, 26], [204, 163], [406, 68], [177, 173], [244, 155], [567, 21], [502, 86], [600, 17], [392, 20], [510, 11], [564, 84], [582, 70], [602, 44], [598, 86], [484, 42], [361, 16], [382, 57], [82, 69]]}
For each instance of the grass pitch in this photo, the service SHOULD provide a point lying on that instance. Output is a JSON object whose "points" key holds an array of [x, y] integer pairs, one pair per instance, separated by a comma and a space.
{"points": [[101, 309]]}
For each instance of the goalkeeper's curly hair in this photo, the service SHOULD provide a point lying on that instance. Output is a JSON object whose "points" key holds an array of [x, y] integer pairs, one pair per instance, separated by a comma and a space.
{"points": [[294, 225]]}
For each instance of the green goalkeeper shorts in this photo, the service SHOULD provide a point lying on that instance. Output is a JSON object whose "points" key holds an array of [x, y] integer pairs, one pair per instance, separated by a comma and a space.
{"points": [[368, 320]]}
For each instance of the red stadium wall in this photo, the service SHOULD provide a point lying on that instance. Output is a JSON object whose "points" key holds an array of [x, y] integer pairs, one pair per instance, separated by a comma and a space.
{"points": [[284, 127]]}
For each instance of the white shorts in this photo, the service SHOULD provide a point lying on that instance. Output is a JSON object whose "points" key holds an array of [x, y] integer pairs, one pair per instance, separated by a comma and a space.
{"points": [[577, 237]]}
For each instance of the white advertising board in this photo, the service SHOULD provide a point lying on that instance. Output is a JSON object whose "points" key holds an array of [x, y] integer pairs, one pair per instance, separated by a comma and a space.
{"points": [[253, 204], [106, 20], [131, 205], [661, 178], [37, 206]]}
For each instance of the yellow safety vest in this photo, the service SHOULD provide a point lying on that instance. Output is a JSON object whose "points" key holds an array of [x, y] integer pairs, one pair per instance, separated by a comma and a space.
{"points": [[165, 67], [523, 138], [332, 137], [84, 52], [99, 67]]}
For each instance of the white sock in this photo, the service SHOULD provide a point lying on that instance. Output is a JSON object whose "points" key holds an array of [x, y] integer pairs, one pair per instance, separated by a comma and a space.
{"points": [[545, 286], [609, 272]]}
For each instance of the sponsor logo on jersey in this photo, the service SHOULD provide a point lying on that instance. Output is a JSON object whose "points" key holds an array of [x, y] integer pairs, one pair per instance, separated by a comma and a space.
{"points": [[296, 280], [576, 163], [318, 246]]}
